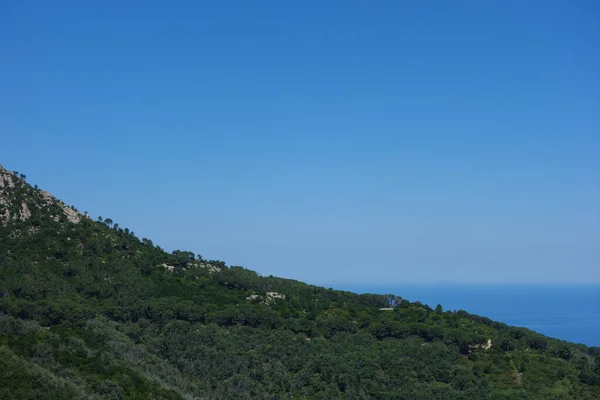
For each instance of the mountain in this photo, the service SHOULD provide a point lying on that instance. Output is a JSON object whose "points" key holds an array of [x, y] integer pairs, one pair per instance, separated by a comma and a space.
{"points": [[90, 311]]}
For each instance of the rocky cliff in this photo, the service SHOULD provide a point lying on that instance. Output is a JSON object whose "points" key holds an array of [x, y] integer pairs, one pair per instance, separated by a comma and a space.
{"points": [[20, 201]]}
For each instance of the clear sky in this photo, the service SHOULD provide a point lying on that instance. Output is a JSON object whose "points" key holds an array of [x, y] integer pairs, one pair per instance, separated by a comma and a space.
{"points": [[327, 141]]}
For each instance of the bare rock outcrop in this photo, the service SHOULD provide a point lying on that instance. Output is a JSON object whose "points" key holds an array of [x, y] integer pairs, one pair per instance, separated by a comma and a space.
{"points": [[19, 201], [25, 212]]}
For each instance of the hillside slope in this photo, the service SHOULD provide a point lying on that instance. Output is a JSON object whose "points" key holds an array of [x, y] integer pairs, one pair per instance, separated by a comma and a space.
{"points": [[90, 311]]}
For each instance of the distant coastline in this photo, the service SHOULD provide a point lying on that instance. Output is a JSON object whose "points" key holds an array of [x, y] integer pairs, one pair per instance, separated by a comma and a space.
{"points": [[568, 312]]}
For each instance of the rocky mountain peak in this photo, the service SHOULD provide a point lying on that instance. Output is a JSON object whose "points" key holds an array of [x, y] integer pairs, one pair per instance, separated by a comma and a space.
{"points": [[20, 201]]}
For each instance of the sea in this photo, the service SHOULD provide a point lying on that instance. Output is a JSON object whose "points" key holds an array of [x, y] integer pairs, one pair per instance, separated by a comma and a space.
{"points": [[567, 312]]}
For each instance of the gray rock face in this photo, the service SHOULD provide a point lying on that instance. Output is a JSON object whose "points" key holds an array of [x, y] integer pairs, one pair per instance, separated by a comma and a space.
{"points": [[19, 201], [72, 215], [6, 179], [25, 212]]}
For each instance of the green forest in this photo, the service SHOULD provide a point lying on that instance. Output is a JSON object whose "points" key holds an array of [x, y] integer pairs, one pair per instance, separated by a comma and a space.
{"points": [[88, 310]]}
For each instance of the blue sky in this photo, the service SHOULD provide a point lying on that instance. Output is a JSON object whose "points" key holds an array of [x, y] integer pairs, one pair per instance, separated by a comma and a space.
{"points": [[332, 142]]}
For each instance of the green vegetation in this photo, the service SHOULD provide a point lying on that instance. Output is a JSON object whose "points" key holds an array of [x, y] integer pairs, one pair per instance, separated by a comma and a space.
{"points": [[90, 311]]}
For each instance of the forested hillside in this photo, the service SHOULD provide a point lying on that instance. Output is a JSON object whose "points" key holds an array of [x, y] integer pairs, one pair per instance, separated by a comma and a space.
{"points": [[90, 311]]}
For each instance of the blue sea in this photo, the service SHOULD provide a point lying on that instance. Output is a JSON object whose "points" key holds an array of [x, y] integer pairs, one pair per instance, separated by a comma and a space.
{"points": [[565, 312]]}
